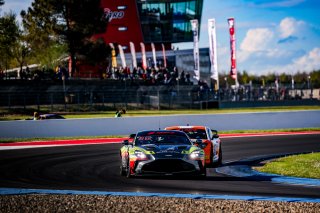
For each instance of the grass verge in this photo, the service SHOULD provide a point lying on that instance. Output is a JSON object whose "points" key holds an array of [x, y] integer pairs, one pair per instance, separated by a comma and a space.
{"points": [[12, 140], [7, 115], [304, 165]]}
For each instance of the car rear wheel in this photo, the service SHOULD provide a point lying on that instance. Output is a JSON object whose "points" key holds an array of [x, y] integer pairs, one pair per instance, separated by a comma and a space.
{"points": [[219, 162], [220, 156]]}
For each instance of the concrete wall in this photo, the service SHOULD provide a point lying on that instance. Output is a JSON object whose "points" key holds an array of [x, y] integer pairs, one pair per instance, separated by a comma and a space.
{"points": [[243, 104], [127, 125]]}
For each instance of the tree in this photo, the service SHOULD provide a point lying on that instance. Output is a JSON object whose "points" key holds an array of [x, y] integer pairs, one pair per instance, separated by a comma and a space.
{"points": [[9, 33], [72, 22], [96, 51], [244, 77], [315, 79], [20, 51]]}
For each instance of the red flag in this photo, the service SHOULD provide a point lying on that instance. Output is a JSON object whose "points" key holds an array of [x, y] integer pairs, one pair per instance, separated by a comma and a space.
{"points": [[233, 71]]}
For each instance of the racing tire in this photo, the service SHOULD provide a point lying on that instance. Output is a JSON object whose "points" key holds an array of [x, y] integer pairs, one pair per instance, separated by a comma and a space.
{"points": [[219, 162], [220, 156], [204, 172], [211, 157], [122, 171], [128, 175]]}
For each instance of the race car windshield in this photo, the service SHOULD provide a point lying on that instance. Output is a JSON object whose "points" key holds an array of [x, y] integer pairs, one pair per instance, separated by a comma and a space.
{"points": [[162, 140], [195, 134]]}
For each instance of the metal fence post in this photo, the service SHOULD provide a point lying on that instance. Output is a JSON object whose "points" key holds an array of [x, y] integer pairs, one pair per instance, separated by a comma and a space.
{"points": [[24, 102], [51, 100], [91, 100], [9, 101], [158, 98], [38, 102]]}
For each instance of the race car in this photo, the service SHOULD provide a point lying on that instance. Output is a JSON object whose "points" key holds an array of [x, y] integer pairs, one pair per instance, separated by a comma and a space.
{"points": [[47, 116], [161, 152], [210, 139]]}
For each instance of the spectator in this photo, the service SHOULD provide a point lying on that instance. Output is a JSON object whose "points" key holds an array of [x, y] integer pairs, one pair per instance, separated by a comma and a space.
{"points": [[188, 79], [182, 77], [1, 75], [27, 72], [119, 113], [36, 116]]}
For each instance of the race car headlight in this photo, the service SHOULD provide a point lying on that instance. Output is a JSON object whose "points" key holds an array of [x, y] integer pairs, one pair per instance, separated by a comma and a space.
{"points": [[196, 155], [139, 155]]}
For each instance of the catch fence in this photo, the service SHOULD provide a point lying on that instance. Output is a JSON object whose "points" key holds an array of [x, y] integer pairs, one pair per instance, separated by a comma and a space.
{"points": [[148, 98]]}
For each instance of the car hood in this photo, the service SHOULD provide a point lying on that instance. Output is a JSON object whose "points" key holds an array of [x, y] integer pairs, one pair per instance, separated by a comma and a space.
{"points": [[157, 149]]}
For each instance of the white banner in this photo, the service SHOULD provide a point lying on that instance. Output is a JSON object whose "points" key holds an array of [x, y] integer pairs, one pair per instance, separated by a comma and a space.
{"points": [[154, 55], [144, 57], [213, 50], [123, 59], [195, 30], [133, 54], [164, 56]]}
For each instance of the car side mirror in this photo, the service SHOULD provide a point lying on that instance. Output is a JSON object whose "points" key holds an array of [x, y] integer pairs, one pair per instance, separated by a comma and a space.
{"points": [[198, 142], [215, 136], [132, 136], [214, 133], [125, 142]]}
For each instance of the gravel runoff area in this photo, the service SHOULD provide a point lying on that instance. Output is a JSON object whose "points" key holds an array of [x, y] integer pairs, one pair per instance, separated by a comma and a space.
{"points": [[95, 203]]}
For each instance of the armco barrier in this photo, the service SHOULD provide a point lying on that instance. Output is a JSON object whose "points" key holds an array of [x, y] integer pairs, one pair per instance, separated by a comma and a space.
{"points": [[127, 125]]}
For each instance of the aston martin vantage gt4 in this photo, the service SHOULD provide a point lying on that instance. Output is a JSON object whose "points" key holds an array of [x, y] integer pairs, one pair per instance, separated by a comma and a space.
{"points": [[161, 152]]}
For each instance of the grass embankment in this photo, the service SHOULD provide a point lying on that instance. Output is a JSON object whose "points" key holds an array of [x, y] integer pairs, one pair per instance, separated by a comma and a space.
{"points": [[6, 115], [304, 165], [12, 140]]}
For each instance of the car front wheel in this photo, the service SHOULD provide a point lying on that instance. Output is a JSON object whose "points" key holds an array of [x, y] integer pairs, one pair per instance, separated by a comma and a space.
{"points": [[122, 170], [128, 169]]}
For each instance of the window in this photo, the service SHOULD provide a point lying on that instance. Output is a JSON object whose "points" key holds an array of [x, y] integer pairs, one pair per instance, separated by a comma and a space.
{"points": [[169, 20], [122, 7], [122, 28]]}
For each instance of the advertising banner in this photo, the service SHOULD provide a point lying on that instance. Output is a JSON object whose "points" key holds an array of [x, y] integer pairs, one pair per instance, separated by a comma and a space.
{"points": [[144, 57], [213, 50], [123, 59], [233, 71], [195, 30], [164, 56], [133, 54], [154, 55]]}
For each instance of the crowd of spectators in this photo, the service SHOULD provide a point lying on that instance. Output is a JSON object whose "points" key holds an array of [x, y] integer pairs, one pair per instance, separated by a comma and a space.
{"points": [[172, 77], [151, 76]]}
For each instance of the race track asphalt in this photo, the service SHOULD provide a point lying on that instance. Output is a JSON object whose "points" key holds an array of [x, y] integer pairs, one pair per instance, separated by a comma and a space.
{"points": [[96, 168]]}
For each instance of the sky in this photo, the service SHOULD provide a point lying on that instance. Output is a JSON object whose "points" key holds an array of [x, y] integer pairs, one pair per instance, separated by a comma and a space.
{"points": [[272, 36]]}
